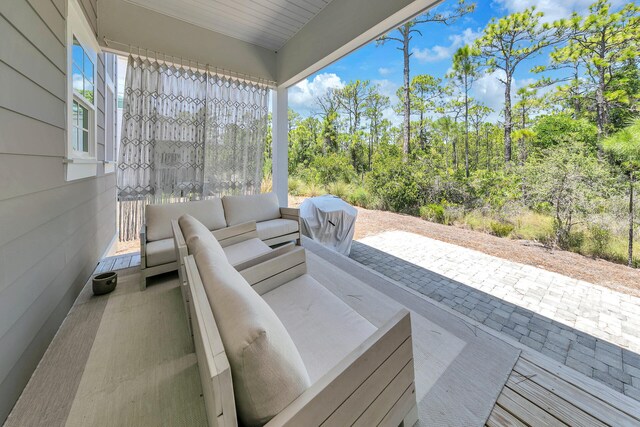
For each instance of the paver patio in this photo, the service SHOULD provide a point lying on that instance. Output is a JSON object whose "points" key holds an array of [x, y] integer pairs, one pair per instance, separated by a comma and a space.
{"points": [[587, 327]]}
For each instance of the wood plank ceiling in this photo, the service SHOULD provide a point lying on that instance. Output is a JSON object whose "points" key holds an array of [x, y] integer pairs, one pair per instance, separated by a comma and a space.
{"points": [[266, 23]]}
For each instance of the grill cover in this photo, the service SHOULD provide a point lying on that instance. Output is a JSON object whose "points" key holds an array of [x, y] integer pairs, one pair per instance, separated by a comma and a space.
{"points": [[330, 221]]}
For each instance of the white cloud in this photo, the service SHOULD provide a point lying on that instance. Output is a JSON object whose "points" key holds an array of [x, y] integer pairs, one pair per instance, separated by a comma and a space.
{"points": [[385, 71], [488, 90], [302, 97], [390, 114], [434, 54], [439, 53], [552, 9], [389, 89]]}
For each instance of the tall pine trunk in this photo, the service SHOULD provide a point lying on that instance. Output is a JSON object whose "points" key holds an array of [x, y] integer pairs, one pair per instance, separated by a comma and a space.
{"points": [[631, 217], [454, 142], [477, 166], [522, 143], [423, 142], [602, 117], [407, 99], [466, 127], [507, 120], [488, 149]]}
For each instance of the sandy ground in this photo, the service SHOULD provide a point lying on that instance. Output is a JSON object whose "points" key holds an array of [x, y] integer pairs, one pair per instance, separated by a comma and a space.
{"points": [[597, 271]]}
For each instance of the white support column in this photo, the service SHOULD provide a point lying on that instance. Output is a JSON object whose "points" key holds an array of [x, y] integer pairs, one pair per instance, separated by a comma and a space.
{"points": [[280, 144]]}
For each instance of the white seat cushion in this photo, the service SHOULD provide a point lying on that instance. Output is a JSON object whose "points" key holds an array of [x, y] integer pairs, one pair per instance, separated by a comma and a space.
{"points": [[276, 228], [244, 251], [257, 207], [323, 327], [266, 368], [158, 217], [160, 252]]}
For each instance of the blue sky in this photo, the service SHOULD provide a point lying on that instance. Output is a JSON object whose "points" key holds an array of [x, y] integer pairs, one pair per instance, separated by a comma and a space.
{"points": [[432, 54]]}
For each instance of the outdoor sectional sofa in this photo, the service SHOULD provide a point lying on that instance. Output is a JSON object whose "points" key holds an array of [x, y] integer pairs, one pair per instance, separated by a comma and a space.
{"points": [[245, 219], [276, 348], [243, 250]]}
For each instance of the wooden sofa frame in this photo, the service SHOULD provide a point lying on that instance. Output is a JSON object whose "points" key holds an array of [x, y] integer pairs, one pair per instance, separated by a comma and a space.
{"points": [[229, 235], [292, 214], [373, 385], [226, 237]]}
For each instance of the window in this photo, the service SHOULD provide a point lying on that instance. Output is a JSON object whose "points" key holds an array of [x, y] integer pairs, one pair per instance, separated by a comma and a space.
{"points": [[83, 67], [80, 131], [82, 54]]}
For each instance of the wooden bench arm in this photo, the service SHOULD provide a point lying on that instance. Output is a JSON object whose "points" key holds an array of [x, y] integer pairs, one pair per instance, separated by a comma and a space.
{"points": [[290, 213], [143, 246], [373, 385], [236, 233], [276, 271], [213, 365], [265, 257], [180, 247]]}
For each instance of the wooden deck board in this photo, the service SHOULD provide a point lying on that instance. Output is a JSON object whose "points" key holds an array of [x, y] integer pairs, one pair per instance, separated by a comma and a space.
{"points": [[535, 396], [553, 404], [121, 263], [501, 417], [118, 262], [524, 409], [106, 265]]}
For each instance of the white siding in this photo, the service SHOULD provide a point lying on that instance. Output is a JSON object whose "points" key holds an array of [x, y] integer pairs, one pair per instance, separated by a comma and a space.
{"points": [[52, 232]]}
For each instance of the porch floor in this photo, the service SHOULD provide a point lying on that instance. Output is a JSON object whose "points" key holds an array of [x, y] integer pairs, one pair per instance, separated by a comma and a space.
{"points": [[154, 376], [587, 327]]}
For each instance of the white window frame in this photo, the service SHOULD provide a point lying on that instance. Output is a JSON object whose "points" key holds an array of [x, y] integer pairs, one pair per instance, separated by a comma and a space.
{"points": [[81, 164]]}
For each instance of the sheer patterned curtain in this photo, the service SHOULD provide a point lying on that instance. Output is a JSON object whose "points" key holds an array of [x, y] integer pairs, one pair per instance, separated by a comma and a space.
{"points": [[186, 135]]}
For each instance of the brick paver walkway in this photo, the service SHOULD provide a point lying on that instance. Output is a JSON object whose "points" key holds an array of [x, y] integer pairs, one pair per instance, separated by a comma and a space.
{"points": [[590, 328]]}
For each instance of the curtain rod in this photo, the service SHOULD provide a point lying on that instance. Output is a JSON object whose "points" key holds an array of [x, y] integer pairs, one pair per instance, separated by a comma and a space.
{"points": [[186, 62]]}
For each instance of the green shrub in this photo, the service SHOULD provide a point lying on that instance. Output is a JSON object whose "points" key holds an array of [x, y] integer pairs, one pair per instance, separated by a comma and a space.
{"points": [[531, 225], [477, 220], [339, 189], [360, 197], [311, 189], [295, 185], [453, 213], [501, 229], [433, 212], [575, 241], [394, 181], [600, 238], [332, 168]]}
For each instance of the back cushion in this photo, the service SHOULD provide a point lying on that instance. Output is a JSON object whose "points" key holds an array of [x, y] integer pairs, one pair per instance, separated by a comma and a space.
{"points": [[198, 237], [158, 217], [257, 207], [267, 370]]}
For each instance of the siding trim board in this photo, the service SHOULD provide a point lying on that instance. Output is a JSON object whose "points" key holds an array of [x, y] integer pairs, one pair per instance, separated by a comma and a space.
{"points": [[25, 19], [20, 54], [50, 17], [31, 79], [22, 95], [52, 232]]}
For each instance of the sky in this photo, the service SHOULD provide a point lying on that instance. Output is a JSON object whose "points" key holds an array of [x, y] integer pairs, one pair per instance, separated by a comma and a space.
{"points": [[432, 54]]}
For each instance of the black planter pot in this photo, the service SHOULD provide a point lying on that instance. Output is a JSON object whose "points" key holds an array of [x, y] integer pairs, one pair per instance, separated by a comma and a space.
{"points": [[105, 283]]}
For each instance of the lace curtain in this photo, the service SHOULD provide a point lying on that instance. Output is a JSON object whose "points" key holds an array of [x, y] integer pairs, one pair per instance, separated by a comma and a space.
{"points": [[186, 135]]}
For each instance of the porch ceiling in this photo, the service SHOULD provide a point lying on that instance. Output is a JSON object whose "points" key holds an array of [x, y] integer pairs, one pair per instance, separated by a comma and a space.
{"points": [[266, 23], [282, 41]]}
